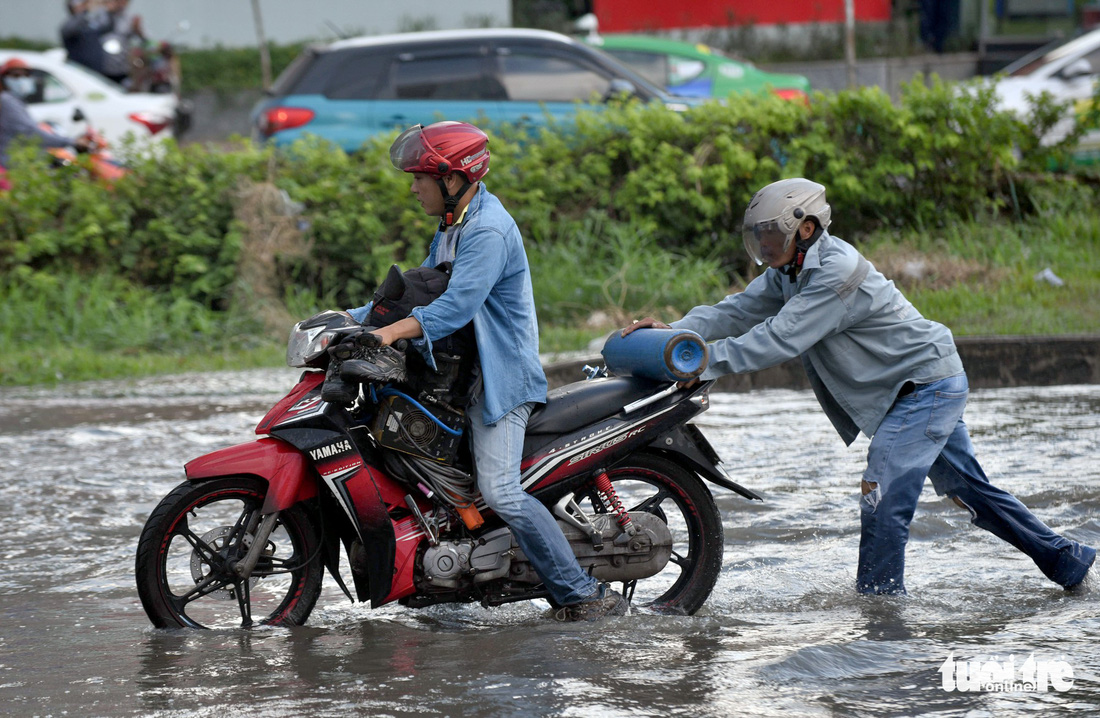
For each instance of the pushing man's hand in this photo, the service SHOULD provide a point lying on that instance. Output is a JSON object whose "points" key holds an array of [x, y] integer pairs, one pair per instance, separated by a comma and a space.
{"points": [[644, 323]]}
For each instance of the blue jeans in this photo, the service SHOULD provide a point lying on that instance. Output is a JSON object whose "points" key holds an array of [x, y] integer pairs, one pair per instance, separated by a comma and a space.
{"points": [[498, 450], [923, 434]]}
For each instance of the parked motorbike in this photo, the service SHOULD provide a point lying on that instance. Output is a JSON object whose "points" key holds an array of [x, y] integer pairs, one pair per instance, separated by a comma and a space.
{"points": [[387, 484], [101, 163]]}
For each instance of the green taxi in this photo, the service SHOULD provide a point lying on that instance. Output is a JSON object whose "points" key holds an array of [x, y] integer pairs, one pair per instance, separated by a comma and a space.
{"points": [[696, 70]]}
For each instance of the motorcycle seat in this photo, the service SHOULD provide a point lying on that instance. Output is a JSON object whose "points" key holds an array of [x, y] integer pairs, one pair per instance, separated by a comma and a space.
{"points": [[575, 405]]}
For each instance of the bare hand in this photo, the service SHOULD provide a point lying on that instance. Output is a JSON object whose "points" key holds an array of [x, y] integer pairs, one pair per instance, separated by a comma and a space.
{"points": [[643, 324]]}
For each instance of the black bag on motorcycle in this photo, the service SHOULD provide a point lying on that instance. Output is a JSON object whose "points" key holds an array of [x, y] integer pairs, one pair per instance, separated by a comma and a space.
{"points": [[455, 356], [430, 425]]}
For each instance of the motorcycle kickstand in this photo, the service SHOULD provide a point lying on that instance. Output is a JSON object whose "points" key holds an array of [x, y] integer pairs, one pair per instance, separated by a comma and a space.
{"points": [[246, 565]]}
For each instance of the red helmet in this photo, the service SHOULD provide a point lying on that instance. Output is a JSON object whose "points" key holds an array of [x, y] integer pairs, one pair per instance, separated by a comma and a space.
{"points": [[442, 148], [13, 64]]}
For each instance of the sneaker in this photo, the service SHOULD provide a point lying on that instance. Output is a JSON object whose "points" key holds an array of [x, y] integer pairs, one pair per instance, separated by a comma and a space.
{"points": [[385, 364], [606, 602], [337, 391]]}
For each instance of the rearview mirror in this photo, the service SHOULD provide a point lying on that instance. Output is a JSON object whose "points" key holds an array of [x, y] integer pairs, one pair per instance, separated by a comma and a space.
{"points": [[620, 87], [78, 115], [1077, 68]]}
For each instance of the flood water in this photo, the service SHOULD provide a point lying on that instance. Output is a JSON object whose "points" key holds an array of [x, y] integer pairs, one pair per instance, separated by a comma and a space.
{"points": [[784, 633]]}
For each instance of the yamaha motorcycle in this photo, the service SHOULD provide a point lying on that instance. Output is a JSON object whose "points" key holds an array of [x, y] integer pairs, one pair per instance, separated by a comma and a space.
{"points": [[384, 487]]}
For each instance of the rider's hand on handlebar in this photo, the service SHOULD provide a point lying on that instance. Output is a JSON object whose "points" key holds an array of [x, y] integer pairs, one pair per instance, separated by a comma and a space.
{"points": [[372, 340], [644, 323], [369, 339]]}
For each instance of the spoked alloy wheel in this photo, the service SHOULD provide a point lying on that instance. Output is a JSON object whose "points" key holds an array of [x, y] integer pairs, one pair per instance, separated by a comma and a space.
{"points": [[191, 543], [652, 484]]}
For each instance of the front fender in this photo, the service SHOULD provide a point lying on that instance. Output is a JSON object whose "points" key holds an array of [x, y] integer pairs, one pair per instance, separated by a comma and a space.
{"points": [[288, 475]]}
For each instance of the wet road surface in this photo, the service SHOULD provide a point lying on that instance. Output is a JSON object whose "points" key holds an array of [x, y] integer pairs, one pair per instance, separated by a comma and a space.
{"points": [[784, 634]]}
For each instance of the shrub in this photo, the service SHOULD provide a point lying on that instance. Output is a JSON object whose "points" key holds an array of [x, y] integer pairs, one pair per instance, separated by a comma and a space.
{"points": [[675, 184]]}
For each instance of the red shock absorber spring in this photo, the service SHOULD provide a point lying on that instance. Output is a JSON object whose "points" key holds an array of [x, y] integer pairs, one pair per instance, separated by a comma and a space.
{"points": [[614, 503]]}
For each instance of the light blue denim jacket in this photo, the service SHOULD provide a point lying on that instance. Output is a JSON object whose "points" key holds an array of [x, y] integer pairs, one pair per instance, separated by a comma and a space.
{"points": [[859, 338], [491, 284]]}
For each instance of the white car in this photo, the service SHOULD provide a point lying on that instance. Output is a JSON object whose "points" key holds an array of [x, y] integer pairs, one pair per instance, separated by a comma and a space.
{"points": [[72, 98], [1069, 72]]}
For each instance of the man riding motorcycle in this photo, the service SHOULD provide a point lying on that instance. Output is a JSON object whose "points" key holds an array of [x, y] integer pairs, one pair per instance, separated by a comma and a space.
{"points": [[490, 285], [17, 84]]}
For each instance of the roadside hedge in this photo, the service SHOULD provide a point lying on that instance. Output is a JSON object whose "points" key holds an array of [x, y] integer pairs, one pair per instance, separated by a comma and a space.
{"points": [[181, 222]]}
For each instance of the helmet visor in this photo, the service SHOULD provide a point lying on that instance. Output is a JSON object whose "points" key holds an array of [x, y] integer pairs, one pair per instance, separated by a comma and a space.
{"points": [[408, 149], [766, 241]]}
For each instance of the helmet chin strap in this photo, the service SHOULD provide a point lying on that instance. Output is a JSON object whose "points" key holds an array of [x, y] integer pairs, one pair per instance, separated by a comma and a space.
{"points": [[450, 201], [801, 247]]}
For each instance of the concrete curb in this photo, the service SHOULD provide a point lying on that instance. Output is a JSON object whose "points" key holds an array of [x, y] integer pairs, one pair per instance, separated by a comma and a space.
{"points": [[990, 362]]}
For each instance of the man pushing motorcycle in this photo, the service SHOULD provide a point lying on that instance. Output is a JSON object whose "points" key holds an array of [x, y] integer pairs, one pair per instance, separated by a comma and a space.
{"points": [[876, 366], [490, 285]]}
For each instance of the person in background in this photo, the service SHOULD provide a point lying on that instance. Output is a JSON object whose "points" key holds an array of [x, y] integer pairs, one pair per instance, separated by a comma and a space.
{"points": [[17, 84], [124, 34], [876, 366], [82, 35]]}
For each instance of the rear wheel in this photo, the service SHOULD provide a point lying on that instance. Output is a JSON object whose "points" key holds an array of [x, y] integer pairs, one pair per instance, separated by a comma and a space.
{"points": [[197, 534], [652, 484]]}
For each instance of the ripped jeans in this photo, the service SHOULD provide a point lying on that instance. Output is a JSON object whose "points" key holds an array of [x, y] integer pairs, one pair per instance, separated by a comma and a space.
{"points": [[923, 434]]}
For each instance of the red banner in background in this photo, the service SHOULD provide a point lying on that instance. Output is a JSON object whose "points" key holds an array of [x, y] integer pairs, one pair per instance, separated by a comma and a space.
{"points": [[646, 15]]}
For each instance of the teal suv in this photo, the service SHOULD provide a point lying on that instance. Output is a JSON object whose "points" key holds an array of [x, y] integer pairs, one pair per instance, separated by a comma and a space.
{"points": [[350, 90]]}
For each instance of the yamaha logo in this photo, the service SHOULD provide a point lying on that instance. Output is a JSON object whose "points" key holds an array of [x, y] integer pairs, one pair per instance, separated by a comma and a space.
{"points": [[324, 452]]}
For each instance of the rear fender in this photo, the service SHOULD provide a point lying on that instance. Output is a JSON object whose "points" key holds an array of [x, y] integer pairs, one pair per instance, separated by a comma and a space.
{"points": [[289, 477], [686, 444]]}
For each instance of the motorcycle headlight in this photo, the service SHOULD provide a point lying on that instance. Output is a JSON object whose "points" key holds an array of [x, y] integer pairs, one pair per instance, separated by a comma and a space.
{"points": [[311, 337]]}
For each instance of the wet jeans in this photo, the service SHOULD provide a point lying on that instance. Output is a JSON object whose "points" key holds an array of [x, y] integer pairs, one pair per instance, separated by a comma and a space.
{"points": [[923, 434], [498, 450]]}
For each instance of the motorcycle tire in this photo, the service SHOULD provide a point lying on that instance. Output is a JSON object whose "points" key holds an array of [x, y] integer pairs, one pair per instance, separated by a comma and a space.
{"points": [[651, 483], [185, 557]]}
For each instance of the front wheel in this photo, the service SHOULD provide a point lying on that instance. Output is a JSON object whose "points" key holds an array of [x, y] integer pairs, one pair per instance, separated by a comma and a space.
{"points": [[192, 541], [655, 485]]}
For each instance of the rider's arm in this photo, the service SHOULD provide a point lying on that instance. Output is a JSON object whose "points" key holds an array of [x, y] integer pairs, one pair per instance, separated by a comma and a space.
{"points": [[480, 263], [17, 122], [407, 328], [360, 314]]}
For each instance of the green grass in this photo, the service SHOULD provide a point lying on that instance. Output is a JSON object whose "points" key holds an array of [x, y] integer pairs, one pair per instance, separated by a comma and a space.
{"points": [[997, 292], [55, 364], [68, 328]]}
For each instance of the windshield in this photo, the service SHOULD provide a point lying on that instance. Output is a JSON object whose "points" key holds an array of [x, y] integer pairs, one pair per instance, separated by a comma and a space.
{"points": [[1045, 56], [77, 67], [629, 73]]}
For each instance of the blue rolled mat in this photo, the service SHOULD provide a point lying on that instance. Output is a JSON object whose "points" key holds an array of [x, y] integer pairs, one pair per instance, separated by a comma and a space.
{"points": [[662, 354]]}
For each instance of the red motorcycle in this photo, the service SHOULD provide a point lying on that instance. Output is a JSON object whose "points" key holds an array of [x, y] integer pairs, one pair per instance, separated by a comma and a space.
{"points": [[101, 163], [386, 482]]}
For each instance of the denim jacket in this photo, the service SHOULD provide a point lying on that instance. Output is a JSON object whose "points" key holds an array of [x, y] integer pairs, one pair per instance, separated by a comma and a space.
{"points": [[859, 338], [491, 284]]}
